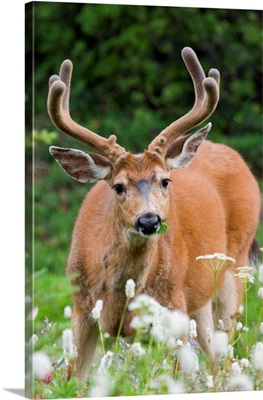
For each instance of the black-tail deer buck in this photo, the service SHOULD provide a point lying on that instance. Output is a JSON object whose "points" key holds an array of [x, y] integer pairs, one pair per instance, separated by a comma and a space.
{"points": [[205, 192]]}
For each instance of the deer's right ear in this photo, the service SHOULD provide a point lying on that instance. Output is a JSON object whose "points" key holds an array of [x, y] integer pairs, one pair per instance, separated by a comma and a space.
{"points": [[82, 166]]}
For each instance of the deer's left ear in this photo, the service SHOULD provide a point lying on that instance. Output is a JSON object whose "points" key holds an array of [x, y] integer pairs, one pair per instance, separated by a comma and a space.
{"points": [[182, 151], [82, 166]]}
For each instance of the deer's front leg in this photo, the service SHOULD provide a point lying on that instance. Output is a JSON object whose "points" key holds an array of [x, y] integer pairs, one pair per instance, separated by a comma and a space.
{"points": [[85, 336], [204, 321]]}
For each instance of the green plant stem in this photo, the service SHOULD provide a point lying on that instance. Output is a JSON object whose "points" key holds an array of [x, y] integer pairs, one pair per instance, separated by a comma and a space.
{"points": [[101, 337], [155, 369], [246, 319], [121, 324], [235, 341], [176, 366], [215, 295]]}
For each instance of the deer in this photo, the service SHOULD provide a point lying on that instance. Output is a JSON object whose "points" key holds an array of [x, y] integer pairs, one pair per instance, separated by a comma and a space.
{"points": [[204, 191]]}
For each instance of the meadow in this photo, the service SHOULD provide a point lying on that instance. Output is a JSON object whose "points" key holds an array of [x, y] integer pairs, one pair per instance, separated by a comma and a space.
{"points": [[121, 367]]}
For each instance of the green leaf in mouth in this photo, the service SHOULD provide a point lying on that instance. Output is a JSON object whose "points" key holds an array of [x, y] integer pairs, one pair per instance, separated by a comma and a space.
{"points": [[163, 227]]}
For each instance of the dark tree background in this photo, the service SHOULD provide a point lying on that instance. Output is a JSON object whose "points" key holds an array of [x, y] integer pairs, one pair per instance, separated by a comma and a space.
{"points": [[129, 78]]}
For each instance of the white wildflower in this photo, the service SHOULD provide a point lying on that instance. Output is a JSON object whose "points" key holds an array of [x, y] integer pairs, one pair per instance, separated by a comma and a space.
{"points": [[209, 334], [245, 270], [101, 386], [33, 314], [206, 257], [67, 312], [141, 321], [221, 325], [241, 309], [170, 326], [223, 257], [192, 327], [220, 343], [179, 343], [245, 274], [165, 382], [240, 382], [33, 339], [188, 360], [245, 329], [41, 365], [137, 349], [105, 362], [257, 356], [231, 351], [165, 326], [244, 363], [145, 302], [130, 288], [260, 273], [236, 370], [97, 309], [239, 326], [209, 381], [260, 293], [67, 343], [218, 256], [261, 327]]}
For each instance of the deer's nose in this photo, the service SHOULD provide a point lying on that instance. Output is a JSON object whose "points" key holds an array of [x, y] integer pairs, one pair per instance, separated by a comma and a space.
{"points": [[148, 223]]}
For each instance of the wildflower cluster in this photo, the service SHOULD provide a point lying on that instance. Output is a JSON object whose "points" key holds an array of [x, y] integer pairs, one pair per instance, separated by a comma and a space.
{"points": [[220, 259], [164, 339], [163, 325], [245, 274]]}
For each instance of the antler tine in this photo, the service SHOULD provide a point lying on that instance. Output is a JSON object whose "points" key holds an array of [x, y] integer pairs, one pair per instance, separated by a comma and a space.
{"points": [[65, 74], [196, 72], [206, 99], [58, 109]]}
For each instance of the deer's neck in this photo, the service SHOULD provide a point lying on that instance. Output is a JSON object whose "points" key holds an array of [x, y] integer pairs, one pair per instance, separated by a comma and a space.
{"points": [[129, 257]]}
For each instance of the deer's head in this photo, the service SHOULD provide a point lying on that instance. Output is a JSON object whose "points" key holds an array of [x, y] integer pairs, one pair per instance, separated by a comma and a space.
{"points": [[140, 182]]}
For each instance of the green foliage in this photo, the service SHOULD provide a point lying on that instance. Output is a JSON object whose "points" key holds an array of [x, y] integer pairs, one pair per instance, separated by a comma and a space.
{"points": [[251, 149], [44, 136], [128, 76], [57, 199]]}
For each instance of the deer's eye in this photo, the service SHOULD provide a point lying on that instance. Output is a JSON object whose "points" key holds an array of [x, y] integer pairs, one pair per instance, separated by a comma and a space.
{"points": [[119, 188], [165, 182]]}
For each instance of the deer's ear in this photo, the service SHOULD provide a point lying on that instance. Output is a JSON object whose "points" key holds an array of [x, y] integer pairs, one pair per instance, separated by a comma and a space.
{"points": [[182, 151], [82, 166]]}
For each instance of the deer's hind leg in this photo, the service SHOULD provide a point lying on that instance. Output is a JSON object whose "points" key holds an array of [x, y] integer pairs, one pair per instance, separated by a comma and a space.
{"points": [[227, 297], [231, 294]]}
